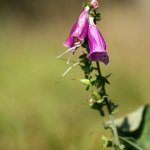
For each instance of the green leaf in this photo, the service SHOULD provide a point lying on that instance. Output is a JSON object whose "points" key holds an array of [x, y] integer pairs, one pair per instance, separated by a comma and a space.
{"points": [[101, 112], [93, 81], [85, 81], [136, 125], [107, 81], [108, 75], [96, 95], [144, 129], [129, 143], [100, 101]]}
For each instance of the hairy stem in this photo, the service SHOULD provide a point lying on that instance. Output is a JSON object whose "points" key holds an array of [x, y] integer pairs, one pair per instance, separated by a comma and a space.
{"points": [[108, 105], [116, 136]]}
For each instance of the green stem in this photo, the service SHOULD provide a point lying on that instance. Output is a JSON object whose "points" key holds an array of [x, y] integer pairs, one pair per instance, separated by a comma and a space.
{"points": [[98, 68], [108, 104], [131, 143], [114, 128]]}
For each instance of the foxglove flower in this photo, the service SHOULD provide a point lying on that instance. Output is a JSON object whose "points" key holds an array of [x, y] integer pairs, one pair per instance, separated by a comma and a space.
{"points": [[96, 44], [79, 30], [77, 33]]}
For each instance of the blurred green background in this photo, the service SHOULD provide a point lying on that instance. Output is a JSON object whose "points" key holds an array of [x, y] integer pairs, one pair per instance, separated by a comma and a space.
{"points": [[40, 110]]}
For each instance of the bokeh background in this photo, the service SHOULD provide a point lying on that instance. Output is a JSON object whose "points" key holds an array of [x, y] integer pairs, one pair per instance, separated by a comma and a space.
{"points": [[40, 110]]}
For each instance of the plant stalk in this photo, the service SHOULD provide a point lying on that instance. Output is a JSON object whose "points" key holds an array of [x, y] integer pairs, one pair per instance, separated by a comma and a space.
{"points": [[108, 104]]}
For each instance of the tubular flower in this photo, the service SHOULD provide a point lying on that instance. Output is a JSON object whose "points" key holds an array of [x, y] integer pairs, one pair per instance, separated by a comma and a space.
{"points": [[77, 33], [79, 30], [96, 43]]}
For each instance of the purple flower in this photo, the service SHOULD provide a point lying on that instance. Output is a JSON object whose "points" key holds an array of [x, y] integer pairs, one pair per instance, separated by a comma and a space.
{"points": [[96, 43], [79, 30], [77, 33]]}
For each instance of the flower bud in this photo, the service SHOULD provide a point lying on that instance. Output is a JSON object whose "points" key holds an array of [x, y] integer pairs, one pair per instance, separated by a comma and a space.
{"points": [[94, 4]]}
